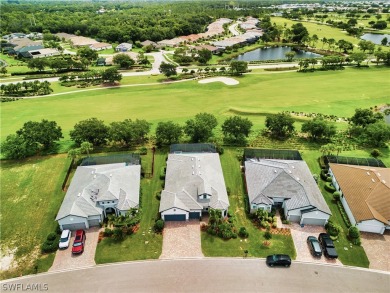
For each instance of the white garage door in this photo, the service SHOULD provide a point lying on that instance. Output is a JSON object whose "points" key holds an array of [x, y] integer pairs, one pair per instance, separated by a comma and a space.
{"points": [[94, 222], [74, 226], [294, 218], [314, 221]]}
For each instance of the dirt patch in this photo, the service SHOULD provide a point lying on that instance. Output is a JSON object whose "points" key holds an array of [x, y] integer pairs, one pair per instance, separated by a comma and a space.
{"points": [[225, 80], [7, 258]]}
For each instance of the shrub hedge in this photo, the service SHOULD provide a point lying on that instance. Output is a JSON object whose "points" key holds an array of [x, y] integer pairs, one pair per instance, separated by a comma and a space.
{"points": [[344, 214], [329, 187]]}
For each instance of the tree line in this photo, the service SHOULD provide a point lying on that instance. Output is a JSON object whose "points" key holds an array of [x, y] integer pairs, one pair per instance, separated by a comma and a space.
{"points": [[365, 128], [20, 89]]}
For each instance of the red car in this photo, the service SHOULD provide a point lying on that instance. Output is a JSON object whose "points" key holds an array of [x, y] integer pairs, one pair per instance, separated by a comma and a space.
{"points": [[79, 242]]}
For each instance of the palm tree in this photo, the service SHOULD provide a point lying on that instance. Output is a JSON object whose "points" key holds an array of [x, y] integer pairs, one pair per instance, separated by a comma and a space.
{"points": [[86, 147], [324, 41], [313, 62], [215, 217]]}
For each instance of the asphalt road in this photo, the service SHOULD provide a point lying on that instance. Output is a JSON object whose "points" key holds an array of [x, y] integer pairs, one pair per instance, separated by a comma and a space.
{"points": [[207, 275]]}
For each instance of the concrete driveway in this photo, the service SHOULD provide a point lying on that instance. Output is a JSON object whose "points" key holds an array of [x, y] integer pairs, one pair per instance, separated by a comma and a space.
{"points": [[299, 235], [65, 260], [377, 248], [181, 240]]}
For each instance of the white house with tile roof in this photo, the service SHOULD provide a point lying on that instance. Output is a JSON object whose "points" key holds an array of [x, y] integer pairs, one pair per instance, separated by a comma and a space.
{"points": [[288, 183], [194, 183], [98, 190]]}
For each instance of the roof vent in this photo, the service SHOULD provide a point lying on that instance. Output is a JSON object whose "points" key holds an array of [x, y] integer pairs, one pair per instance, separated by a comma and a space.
{"points": [[110, 175], [298, 178], [79, 194], [372, 179], [93, 172], [198, 166], [383, 181], [379, 174], [289, 171], [94, 176], [275, 171], [192, 159], [368, 173], [193, 173], [293, 167], [198, 159], [200, 173]]}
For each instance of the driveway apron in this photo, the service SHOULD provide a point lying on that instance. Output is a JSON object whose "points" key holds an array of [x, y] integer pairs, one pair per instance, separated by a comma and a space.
{"points": [[65, 260], [181, 240]]}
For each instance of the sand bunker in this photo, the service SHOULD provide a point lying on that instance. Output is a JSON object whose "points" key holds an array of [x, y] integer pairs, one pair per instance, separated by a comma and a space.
{"points": [[225, 80]]}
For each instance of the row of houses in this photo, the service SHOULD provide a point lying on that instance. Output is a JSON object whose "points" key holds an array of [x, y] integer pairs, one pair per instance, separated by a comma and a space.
{"points": [[214, 29], [27, 48], [194, 183], [14, 36], [251, 35], [80, 41]]}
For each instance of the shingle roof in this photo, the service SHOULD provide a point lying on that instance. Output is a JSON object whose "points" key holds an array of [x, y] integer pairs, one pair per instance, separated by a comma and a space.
{"points": [[288, 179], [91, 184], [366, 190], [190, 175]]}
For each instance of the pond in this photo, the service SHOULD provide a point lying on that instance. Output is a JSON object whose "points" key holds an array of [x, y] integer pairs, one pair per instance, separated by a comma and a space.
{"points": [[375, 38], [274, 53]]}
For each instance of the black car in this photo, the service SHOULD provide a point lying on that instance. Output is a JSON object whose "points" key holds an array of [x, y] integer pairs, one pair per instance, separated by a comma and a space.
{"points": [[327, 246], [314, 246], [278, 260]]}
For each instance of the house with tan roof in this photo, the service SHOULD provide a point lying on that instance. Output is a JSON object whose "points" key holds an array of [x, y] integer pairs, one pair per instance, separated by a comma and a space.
{"points": [[365, 195], [79, 41], [194, 183], [100, 46]]}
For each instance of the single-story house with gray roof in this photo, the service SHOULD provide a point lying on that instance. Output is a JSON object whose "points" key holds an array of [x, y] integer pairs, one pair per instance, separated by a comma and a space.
{"points": [[98, 190], [124, 47], [194, 183], [289, 184]]}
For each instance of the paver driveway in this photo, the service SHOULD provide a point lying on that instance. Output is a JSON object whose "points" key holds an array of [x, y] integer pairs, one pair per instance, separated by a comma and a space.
{"points": [[377, 248], [299, 235], [65, 260], [181, 240]]}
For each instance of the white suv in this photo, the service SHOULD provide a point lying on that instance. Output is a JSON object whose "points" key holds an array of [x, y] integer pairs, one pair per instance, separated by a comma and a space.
{"points": [[65, 239]]}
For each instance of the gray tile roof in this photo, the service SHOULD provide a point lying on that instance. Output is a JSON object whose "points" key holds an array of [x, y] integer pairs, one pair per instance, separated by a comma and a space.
{"points": [[190, 175], [288, 179], [91, 184]]}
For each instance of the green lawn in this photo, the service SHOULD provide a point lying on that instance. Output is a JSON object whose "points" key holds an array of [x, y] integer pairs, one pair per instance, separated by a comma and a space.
{"points": [[332, 92], [356, 255], [214, 246], [144, 244], [321, 30], [30, 198]]}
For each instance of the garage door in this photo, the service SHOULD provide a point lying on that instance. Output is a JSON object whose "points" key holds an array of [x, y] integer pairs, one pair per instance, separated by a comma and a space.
{"points": [[74, 226], [94, 222], [175, 217], [313, 221], [194, 215], [294, 218]]}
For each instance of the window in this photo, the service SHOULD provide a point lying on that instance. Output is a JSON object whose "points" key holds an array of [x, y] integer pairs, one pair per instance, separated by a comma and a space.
{"points": [[204, 196]]}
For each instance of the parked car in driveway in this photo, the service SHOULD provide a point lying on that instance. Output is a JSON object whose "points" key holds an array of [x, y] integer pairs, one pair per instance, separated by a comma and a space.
{"points": [[79, 242], [327, 245], [278, 260], [65, 239], [314, 245]]}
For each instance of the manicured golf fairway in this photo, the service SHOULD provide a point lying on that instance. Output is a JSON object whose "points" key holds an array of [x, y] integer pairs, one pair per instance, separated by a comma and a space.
{"points": [[331, 92]]}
